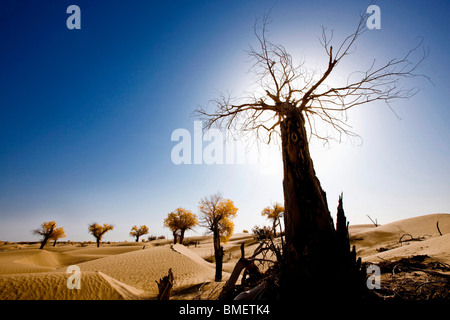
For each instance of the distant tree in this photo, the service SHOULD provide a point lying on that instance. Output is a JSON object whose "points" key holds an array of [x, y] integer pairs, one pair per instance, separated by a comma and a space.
{"points": [[57, 234], [216, 217], [98, 231], [274, 213], [46, 230], [138, 231], [179, 221]]}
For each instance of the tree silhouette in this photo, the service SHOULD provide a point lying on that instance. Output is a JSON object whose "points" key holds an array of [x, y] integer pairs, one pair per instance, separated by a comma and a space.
{"points": [[138, 231], [179, 221], [46, 230], [217, 213], [99, 231], [274, 213], [290, 101]]}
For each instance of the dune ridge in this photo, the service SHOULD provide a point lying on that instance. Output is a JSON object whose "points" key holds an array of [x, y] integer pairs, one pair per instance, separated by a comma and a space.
{"points": [[129, 271]]}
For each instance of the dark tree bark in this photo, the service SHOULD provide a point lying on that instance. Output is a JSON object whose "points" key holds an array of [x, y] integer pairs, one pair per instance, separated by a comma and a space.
{"points": [[218, 251], [218, 256], [47, 235], [165, 286], [44, 242], [175, 237], [182, 231], [318, 261], [309, 229]]}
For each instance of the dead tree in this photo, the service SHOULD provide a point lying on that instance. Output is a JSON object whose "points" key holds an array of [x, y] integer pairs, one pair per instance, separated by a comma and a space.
{"points": [[439, 230], [374, 222], [404, 238], [288, 102], [243, 264], [165, 285]]}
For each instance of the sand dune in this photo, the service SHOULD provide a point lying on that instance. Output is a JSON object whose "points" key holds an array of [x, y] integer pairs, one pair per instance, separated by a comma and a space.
{"points": [[35, 260], [26, 261], [130, 270], [437, 248], [52, 286], [191, 255], [142, 268], [384, 241], [129, 275]]}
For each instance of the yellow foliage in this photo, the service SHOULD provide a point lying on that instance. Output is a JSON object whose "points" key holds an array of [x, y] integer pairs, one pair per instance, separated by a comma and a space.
{"points": [[98, 231], [273, 212], [58, 233], [138, 231], [217, 214], [46, 229], [180, 219], [226, 228]]}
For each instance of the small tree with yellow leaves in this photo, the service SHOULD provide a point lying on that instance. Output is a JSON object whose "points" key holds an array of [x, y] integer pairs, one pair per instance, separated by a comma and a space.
{"points": [[99, 231], [138, 231], [179, 221], [217, 213], [57, 234], [274, 213], [46, 230]]}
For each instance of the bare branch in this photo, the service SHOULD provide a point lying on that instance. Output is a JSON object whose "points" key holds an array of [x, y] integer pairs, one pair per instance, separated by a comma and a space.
{"points": [[284, 88]]}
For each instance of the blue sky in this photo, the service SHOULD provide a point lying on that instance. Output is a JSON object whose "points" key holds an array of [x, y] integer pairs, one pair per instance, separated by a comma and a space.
{"points": [[87, 115]]}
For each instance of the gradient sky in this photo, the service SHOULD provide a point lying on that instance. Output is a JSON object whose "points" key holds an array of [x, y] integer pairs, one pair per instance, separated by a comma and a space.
{"points": [[87, 115]]}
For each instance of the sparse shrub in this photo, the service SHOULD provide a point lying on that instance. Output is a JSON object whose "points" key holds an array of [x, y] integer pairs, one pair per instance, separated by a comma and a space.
{"points": [[262, 233]]}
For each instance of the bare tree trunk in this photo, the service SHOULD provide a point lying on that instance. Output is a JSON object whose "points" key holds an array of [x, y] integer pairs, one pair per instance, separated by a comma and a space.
{"points": [[308, 224], [218, 256], [43, 243], [315, 253], [218, 253], [98, 242], [175, 238], [182, 236]]}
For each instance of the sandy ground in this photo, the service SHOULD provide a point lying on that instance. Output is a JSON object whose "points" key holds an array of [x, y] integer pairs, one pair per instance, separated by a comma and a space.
{"points": [[419, 235], [130, 270]]}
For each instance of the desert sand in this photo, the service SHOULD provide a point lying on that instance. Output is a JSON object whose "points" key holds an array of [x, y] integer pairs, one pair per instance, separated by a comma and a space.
{"points": [[121, 271]]}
